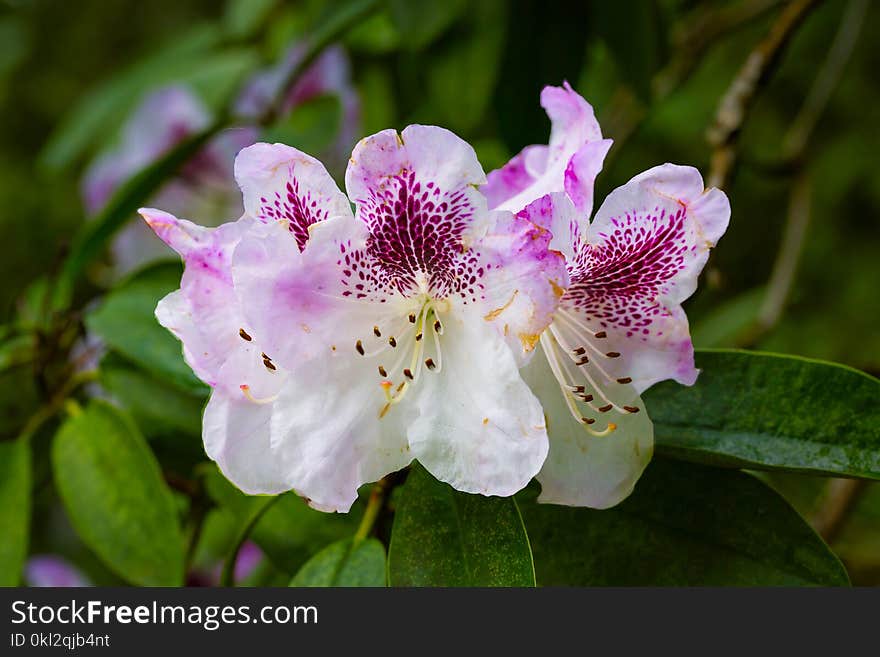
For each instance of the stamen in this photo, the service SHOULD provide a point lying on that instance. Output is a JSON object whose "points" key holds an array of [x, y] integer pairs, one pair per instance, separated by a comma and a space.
{"points": [[605, 409], [438, 327], [246, 389], [407, 372], [412, 318], [418, 336], [429, 363], [588, 420], [359, 346], [582, 361], [382, 372], [631, 409], [244, 335], [392, 341], [579, 351], [377, 332], [269, 365], [613, 354], [625, 380], [600, 335]]}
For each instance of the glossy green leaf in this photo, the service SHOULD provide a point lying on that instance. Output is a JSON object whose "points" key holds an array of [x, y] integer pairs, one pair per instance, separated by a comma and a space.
{"points": [[15, 508], [345, 563], [442, 537], [126, 322], [765, 411], [423, 22], [156, 406], [685, 525], [113, 490], [290, 532]]}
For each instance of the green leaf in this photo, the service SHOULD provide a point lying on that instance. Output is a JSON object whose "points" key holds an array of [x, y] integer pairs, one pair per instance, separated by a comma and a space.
{"points": [[156, 406], [345, 563], [15, 508], [94, 234], [423, 22], [765, 411], [442, 537], [126, 322], [290, 532], [310, 127], [243, 18], [685, 525], [112, 488]]}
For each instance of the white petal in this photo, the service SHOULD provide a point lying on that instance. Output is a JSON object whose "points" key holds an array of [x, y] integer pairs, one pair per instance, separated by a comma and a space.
{"points": [[480, 429]]}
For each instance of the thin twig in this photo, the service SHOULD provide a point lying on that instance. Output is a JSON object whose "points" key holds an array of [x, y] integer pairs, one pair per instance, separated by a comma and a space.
{"points": [[736, 102], [841, 496]]}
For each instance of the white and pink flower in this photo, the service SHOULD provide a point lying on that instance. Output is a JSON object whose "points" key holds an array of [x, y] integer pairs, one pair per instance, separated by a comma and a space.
{"points": [[342, 345], [619, 327]]}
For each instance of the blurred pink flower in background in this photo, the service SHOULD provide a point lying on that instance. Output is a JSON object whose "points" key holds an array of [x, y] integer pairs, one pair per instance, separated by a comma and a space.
{"points": [[44, 570], [205, 188]]}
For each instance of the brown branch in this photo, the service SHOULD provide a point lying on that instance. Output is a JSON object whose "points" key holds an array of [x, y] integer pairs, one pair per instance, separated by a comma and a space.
{"points": [[736, 102], [841, 496]]}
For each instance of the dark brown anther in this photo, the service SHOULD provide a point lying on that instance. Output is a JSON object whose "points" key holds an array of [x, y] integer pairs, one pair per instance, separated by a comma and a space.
{"points": [[613, 354], [382, 372], [588, 420], [587, 398], [429, 363], [408, 374], [269, 364], [243, 335], [377, 332], [360, 347], [392, 341], [631, 409], [625, 380], [418, 336], [605, 409], [412, 318], [578, 389], [579, 351], [601, 334], [265, 357], [582, 361], [438, 326]]}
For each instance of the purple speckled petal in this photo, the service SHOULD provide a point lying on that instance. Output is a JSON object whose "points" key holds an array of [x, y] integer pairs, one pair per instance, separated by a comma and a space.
{"points": [[48, 570], [205, 313], [281, 183], [570, 162], [636, 263]]}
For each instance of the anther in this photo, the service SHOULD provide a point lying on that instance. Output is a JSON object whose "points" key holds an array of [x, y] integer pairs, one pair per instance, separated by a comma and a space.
{"points": [[587, 398], [600, 335], [265, 357], [625, 379], [377, 332], [382, 372], [631, 409], [408, 373], [269, 364], [392, 341], [582, 361], [412, 318], [429, 363], [577, 388], [438, 327], [579, 351], [613, 354], [588, 420], [360, 347], [243, 335], [605, 409], [418, 336]]}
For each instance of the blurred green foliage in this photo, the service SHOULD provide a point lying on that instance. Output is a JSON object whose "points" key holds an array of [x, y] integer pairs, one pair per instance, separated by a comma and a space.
{"points": [[654, 71]]}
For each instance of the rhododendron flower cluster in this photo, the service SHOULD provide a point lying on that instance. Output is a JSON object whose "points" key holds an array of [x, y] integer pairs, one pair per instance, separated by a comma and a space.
{"points": [[482, 325]]}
